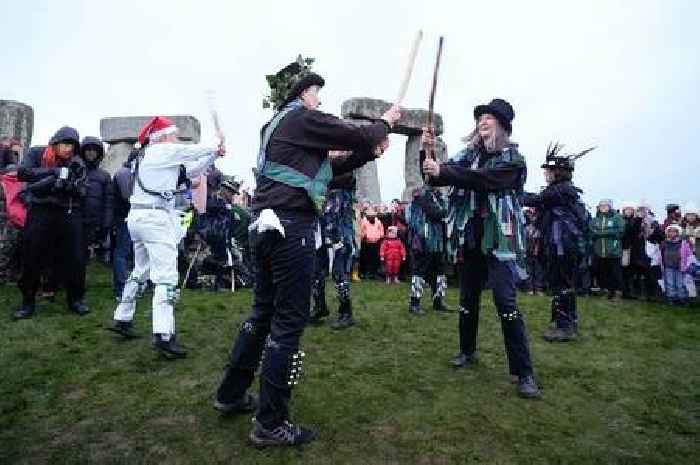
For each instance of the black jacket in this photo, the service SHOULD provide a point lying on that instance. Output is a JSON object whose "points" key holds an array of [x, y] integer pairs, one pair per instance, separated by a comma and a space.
{"points": [[302, 141], [559, 203], [98, 207], [42, 187]]}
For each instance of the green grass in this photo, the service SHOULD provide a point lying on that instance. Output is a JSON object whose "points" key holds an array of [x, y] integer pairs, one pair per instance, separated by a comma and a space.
{"points": [[627, 393]]}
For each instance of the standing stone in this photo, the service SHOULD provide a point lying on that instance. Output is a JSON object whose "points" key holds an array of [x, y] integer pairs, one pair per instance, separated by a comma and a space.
{"points": [[16, 120], [412, 121], [411, 172], [368, 183], [121, 133], [411, 124]]}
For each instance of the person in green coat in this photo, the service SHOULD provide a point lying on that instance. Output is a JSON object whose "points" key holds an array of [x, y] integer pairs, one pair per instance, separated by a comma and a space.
{"points": [[607, 229]]}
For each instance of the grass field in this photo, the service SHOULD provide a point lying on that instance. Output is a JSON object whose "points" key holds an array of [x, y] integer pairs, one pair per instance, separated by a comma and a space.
{"points": [[381, 393]]}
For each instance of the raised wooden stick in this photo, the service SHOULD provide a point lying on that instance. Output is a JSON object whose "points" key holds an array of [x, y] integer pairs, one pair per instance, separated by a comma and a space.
{"points": [[409, 68], [431, 102]]}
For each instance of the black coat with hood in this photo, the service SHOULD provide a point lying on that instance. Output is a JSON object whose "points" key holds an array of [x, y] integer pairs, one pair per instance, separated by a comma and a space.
{"points": [[42, 188], [98, 207]]}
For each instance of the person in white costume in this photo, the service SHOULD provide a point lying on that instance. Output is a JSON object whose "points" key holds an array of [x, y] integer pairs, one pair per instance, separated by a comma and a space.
{"points": [[154, 225]]}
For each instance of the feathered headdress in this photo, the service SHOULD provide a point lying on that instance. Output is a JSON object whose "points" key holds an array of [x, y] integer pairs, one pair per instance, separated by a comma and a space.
{"points": [[566, 162]]}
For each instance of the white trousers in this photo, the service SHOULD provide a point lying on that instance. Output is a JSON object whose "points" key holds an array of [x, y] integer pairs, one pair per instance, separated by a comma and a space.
{"points": [[155, 235]]}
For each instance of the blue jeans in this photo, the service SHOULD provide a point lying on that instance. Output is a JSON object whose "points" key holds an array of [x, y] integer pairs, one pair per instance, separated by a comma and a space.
{"points": [[123, 248], [674, 282]]}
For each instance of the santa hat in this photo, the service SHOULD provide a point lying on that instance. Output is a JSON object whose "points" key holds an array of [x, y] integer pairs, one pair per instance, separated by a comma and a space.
{"points": [[675, 226], [157, 127]]}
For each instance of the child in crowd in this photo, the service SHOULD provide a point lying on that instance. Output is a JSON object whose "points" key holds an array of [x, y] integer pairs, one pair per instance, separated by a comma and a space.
{"points": [[675, 254], [392, 253]]}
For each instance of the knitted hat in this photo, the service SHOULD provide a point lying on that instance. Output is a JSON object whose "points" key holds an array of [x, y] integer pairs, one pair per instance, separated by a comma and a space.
{"points": [[158, 126], [690, 207], [500, 109], [607, 202]]}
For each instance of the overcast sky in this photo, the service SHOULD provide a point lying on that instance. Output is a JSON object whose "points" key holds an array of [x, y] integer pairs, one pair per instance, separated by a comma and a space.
{"points": [[623, 75]]}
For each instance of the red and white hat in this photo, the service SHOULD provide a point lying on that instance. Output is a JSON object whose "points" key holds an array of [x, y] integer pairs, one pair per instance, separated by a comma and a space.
{"points": [[158, 126]]}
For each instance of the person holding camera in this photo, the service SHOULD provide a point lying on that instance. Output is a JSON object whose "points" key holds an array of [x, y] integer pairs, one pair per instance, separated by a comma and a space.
{"points": [[55, 177]]}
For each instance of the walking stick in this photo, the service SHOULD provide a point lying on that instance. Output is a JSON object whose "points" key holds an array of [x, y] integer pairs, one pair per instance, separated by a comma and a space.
{"points": [[189, 268]]}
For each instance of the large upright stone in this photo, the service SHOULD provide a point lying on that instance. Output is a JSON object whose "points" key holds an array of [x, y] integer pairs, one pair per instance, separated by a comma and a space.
{"points": [[412, 172], [367, 176], [412, 121], [121, 133], [368, 183], [16, 120], [126, 128]]}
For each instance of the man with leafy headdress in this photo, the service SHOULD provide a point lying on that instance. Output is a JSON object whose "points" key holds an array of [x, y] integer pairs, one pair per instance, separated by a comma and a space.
{"points": [[293, 173]]}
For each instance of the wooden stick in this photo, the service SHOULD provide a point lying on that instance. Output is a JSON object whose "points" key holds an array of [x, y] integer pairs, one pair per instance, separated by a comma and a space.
{"points": [[409, 68], [431, 102]]}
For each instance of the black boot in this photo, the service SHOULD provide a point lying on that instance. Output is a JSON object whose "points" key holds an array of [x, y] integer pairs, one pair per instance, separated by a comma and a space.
{"points": [[439, 305], [170, 349], [564, 319], [123, 328], [345, 319], [414, 307], [320, 310], [24, 312], [79, 307]]}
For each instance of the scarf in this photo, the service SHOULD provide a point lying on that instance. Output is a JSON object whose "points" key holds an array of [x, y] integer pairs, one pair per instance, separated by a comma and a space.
{"points": [[269, 129]]}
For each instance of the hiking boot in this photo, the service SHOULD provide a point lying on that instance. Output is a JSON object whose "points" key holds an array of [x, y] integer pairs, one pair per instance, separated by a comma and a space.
{"points": [[461, 360], [79, 307], [343, 322], [527, 387], [123, 328], [169, 349], [286, 434], [439, 306], [246, 404], [24, 312], [559, 335]]}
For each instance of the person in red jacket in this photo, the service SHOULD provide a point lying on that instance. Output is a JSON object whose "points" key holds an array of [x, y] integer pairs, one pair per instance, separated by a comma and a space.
{"points": [[392, 253]]}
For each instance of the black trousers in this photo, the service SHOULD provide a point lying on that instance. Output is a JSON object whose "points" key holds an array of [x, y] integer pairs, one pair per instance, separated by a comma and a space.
{"points": [[475, 271], [52, 233], [610, 274], [369, 258], [284, 272], [428, 265]]}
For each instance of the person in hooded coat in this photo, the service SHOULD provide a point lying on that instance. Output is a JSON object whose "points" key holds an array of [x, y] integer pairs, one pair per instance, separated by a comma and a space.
{"points": [[99, 199], [56, 188]]}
